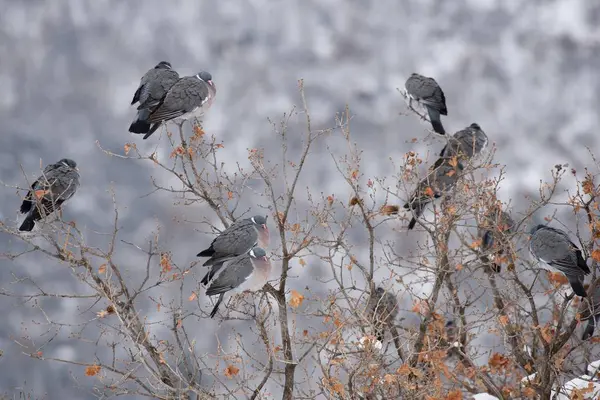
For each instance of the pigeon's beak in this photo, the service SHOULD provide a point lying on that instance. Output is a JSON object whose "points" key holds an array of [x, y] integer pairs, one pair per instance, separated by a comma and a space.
{"points": [[77, 169]]}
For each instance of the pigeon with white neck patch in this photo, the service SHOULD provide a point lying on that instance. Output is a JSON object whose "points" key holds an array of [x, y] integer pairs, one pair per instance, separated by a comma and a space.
{"points": [[238, 239], [248, 272], [188, 98]]}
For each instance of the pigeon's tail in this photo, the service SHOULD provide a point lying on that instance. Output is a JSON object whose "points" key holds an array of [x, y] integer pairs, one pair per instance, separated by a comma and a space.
{"points": [[27, 224], [577, 286], [216, 307], [152, 130], [581, 263], [211, 274], [412, 223], [590, 327], [206, 253], [141, 124], [436, 122]]}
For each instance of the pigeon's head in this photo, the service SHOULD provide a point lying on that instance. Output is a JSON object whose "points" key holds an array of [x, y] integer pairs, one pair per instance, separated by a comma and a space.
{"points": [[163, 65], [206, 77], [260, 223], [536, 228], [258, 254], [379, 291], [67, 162], [475, 126]]}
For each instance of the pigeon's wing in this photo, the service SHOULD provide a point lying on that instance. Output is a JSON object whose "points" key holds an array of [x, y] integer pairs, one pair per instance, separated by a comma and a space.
{"points": [[157, 86], [238, 241], [236, 273], [185, 96]]}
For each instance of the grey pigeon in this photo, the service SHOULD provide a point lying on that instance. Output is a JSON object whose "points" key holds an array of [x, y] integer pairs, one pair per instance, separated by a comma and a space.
{"points": [[429, 94], [248, 272], [493, 231], [464, 144], [556, 252], [437, 184], [382, 308], [234, 241], [58, 183], [591, 314], [188, 98], [153, 86]]}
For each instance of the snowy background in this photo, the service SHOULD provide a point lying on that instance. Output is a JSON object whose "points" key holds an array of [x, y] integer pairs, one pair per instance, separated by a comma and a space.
{"points": [[526, 71]]}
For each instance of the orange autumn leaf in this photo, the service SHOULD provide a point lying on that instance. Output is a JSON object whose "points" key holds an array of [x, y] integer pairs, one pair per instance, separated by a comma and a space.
{"points": [[451, 172], [498, 361], [403, 370], [165, 263], [557, 278], [231, 371], [389, 209], [198, 131], [503, 320], [596, 255], [330, 200], [389, 379], [530, 393], [192, 296], [454, 395], [40, 193], [296, 298], [301, 262], [229, 195], [127, 147], [354, 201], [92, 370], [102, 269], [428, 192], [354, 174], [587, 185]]}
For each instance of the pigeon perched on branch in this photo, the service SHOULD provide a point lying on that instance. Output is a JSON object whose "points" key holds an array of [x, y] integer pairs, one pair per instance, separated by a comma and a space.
{"points": [[557, 253], [188, 98], [438, 183], [464, 144], [493, 232], [153, 86], [238, 239], [429, 95], [248, 272], [382, 308], [48, 193]]}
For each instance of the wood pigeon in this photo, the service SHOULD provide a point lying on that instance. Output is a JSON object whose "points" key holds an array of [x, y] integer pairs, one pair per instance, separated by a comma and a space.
{"points": [[248, 272], [464, 144], [58, 183], [153, 86], [382, 309], [429, 95], [557, 253], [234, 241], [493, 231], [438, 183], [188, 98]]}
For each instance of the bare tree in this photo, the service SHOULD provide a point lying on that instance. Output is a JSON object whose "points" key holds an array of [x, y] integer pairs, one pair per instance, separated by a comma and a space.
{"points": [[318, 337]]}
